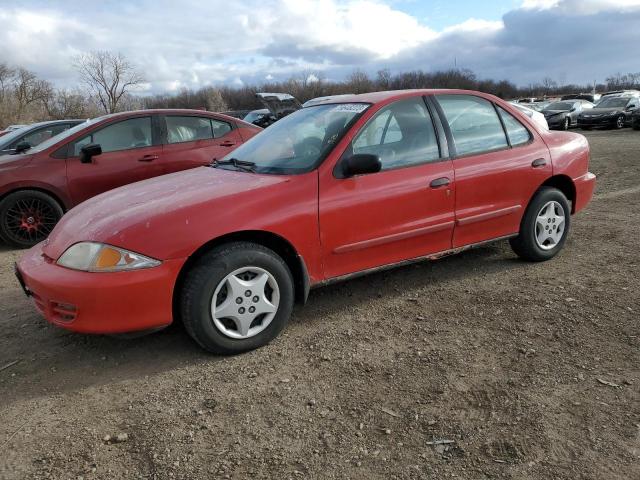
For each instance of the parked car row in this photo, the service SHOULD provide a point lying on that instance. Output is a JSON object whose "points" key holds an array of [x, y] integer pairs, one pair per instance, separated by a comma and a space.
{"points": [[336, 189]]}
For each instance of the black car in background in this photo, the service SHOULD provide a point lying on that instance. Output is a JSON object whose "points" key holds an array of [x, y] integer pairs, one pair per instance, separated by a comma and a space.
{"points": [[22, 139], [610, 112], [564, 115], [635, 119]]}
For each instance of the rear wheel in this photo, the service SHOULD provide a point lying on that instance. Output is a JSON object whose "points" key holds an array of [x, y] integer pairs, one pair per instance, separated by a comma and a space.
{"points": [[238, 297], [544, 227], [27, 217], [636, 124]]}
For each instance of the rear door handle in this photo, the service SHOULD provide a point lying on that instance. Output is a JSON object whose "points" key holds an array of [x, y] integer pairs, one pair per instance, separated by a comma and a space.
{"points": [[227, 143], [540, 162], [439, 182], [148, 158]]}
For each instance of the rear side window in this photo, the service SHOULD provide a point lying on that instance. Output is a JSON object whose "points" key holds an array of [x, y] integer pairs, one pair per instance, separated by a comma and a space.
{"points": [[474, 124], [191, 129], [401, 134], [124, 135], [517, 133]]}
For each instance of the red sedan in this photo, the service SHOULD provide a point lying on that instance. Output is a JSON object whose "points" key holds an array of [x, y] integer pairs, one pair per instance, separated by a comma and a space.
{"points": [[36, 188], [336, 189]]}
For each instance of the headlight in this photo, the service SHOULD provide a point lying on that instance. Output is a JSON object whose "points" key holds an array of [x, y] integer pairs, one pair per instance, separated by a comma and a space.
{"points": [[98, 257]]}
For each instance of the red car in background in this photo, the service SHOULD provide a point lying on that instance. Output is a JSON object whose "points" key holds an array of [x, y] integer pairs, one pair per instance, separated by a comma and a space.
{"points": [[37, 187], [337, 189]]}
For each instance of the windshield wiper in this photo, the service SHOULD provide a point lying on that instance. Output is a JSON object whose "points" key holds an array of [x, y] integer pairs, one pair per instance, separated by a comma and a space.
{"points": [[239, 164]]}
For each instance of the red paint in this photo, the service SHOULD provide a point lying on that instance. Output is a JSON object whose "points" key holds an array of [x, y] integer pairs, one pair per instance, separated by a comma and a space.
{"points": [[337, 226]]}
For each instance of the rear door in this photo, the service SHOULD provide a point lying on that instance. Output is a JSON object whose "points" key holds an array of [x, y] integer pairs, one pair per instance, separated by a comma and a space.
{"points": [[499, 163], [192, 141], [402, 212], [131, 151]]}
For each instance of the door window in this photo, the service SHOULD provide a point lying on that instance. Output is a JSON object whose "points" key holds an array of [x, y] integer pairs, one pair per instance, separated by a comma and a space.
{"points": [[401, 134], [124, 135], [191, 129], [474, 124], [517, 133]]}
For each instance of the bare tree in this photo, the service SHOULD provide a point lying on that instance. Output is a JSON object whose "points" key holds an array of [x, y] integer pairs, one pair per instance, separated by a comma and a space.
{"points": [[109, 76], [29, 89]]}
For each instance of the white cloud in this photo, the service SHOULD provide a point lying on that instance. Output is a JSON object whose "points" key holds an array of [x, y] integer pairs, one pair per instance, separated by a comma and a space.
{"points": [[193, 43]]}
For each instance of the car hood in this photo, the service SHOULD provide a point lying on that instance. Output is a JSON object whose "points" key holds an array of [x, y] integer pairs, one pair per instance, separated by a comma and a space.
{"points": [[551, 113], [164, 205], [600, 111]]}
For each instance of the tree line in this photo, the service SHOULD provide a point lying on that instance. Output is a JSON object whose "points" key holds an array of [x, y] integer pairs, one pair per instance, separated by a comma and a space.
{"points": [[107, 80]]}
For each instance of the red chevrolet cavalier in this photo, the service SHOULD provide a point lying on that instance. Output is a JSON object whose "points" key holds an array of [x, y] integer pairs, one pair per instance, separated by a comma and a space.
{"points": [[37, 187], [336, 189]]}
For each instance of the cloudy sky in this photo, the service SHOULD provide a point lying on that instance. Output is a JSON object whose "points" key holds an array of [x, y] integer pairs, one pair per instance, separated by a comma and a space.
{"points": [[195, 43]]}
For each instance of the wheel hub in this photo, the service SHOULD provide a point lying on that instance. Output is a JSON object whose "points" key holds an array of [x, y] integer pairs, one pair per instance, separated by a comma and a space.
{"points": [[245, 302], [30, 220], [550, 225]]}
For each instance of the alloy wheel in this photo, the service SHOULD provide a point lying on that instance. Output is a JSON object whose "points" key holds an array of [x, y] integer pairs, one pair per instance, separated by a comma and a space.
{"points": [[30, 220]]}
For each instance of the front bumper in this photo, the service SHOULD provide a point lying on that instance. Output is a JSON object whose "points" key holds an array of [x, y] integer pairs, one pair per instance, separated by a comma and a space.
{"points": [[585, 185], [597, 121], [87, 302]]}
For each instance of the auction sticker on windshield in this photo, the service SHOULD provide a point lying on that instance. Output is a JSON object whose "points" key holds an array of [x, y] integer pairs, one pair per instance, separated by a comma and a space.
{"points": [[351, 107]]}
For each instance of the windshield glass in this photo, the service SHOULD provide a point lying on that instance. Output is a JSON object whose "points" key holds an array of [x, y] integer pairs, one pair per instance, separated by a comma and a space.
{"points": [[560, 106], [300, 141], [61, 136], [613, 102]]}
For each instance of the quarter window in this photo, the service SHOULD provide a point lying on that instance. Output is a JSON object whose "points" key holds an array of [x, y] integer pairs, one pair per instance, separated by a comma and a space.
{"points": [[191, 129], [124, 135], [474, 124], [401, 134], [517, 133]]}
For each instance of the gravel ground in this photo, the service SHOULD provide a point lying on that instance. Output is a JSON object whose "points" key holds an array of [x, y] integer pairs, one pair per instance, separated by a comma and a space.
{"points": [[476, 366]]}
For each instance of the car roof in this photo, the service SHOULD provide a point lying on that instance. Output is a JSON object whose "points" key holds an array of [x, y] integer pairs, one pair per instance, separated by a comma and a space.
{"points": [[383, 97]]}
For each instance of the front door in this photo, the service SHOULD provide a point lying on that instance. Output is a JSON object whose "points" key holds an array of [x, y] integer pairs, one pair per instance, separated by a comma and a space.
{"points": [[402, 212], [128, 155]]}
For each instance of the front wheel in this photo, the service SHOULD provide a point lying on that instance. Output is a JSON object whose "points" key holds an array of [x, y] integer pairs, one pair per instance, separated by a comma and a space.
{"points": [[566, 124], [27, 217], [620, 122], [236, 298], [544, 227]]}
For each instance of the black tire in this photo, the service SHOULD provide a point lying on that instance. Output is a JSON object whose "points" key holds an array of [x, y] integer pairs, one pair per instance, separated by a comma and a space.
{"points": [[204, 277], [566, 124], [636, 125], [620, 122], [585, 128], [525, 244], [27, 217]]}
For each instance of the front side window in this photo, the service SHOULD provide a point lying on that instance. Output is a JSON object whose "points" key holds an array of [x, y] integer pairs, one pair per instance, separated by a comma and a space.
{"points": [[517, 133], [125, 135], [300, 141], [401, 134], [474, 124]]}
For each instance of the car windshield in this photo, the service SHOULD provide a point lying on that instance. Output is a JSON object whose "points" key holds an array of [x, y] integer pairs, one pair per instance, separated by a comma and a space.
{"points": [[560, 106], [61, 136], [298, 142], [613, 102]]}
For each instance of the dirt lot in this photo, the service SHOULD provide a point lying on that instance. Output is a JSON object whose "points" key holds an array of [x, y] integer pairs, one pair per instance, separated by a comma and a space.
{"points": [[503, 360]]}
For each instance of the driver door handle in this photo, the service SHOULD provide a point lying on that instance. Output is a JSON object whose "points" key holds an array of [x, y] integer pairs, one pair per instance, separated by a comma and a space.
{"points": [[540, 162], [439, 182], [148, 158], [227, 143]]}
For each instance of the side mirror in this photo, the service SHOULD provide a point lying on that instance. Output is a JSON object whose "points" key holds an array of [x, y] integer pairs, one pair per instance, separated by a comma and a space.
{"points": [[89, 151], [360, 164], [22, 147]]}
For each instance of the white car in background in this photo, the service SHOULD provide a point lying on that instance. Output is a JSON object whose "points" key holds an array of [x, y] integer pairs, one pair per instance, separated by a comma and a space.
{"points": [[537, 117]]}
